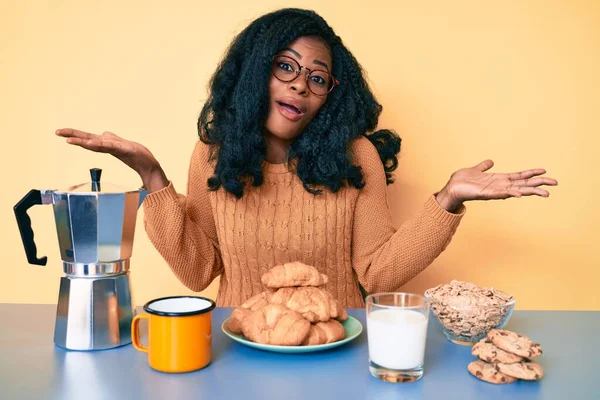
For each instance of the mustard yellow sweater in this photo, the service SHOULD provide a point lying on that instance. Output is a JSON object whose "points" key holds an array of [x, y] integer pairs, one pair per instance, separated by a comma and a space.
{"points": [[347, 235]]}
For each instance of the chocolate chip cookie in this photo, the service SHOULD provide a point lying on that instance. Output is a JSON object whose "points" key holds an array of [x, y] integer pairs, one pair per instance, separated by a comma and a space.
{"points": [[488, 373], [487, 351], [515, 343], [526, 370]]}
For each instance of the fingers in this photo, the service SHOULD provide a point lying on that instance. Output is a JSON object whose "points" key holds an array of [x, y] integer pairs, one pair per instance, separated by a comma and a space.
{"points": [[513, 191], [74, 133], [108, 142], [533, 191], [516, 192], [100, 144], [530, 173], [534, 182], [484, 165], [95, 143]]}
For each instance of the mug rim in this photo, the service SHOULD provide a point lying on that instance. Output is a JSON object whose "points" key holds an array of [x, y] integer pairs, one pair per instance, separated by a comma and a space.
{"points": [[179, 314]]}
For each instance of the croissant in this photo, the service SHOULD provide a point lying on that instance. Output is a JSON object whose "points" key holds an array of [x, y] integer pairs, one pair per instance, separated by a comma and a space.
{"points": [[294, 310], [293, 274], [337, 311], [253, 303], [325, 332], [313, 303], [275, 324], [257, 301], [235, 320]]}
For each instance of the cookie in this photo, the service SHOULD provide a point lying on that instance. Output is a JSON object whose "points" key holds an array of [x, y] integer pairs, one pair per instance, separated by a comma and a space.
{"points": [[488, 373], [515, 343], [487, 351], [526, 370]]}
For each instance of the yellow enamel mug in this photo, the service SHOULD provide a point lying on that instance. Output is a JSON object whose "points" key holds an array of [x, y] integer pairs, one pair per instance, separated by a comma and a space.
{"points": [[179, 333]]}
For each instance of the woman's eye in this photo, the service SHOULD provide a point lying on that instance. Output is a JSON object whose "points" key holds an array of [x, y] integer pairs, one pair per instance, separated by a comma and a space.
{"points": [[285, 66], [318, 80]]}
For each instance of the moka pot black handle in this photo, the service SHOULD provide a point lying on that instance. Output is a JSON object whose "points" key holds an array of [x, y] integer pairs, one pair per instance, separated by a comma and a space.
{"points": [[34, 197]]}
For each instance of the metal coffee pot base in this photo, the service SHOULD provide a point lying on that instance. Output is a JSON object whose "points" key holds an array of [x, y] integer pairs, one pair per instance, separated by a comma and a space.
{"points": [[94, 313]]}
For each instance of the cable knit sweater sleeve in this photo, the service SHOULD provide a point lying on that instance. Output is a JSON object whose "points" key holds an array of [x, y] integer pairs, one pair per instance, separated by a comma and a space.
{"points": [[182, 228], [385, 258]]}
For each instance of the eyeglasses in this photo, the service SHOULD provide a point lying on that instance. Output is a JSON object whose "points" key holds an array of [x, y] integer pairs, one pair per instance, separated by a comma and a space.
{"points": [[320, 82]]}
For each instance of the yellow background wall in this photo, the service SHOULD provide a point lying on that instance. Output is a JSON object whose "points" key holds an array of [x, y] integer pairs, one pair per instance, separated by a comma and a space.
{"points": [[461, 81]]}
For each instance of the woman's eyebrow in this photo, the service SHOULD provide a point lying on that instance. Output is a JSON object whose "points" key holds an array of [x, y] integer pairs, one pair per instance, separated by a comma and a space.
{"points": [[318, 62], [294, 52]]}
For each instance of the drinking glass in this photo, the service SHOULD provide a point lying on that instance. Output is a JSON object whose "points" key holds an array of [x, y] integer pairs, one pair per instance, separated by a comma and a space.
{"points": [[396, 333]]}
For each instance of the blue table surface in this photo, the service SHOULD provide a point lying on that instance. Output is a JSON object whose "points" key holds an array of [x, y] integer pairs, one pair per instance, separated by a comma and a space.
{"points": [[32, 367]]}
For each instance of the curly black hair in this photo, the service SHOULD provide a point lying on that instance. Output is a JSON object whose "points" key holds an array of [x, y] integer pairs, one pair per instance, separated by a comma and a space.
{"points": [[232, 119]]}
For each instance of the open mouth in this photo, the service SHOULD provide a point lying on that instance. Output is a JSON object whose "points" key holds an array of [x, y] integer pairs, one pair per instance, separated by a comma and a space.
{"points": [[290, 108], [289, 111]]}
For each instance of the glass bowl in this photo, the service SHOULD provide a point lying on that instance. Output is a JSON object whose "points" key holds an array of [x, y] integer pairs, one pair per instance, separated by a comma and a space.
{"points": [[468, 324]]}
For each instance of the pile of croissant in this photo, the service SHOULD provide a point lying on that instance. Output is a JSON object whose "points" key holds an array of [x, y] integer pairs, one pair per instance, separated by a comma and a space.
{"points": [[295, 310]]}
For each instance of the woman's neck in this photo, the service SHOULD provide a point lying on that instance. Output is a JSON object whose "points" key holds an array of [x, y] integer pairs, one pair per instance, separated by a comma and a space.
{"points": [[277, 149]]}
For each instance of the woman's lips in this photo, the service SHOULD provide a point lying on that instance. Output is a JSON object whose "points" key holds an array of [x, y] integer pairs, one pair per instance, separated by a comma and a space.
{"points": [[290, 112]]}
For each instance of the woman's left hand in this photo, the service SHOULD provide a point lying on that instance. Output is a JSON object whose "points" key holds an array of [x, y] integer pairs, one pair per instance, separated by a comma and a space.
{"points": [[476, 184]]}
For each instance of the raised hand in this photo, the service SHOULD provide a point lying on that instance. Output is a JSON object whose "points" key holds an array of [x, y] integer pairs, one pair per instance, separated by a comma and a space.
{"points": [[476, 184], [133, 154]]}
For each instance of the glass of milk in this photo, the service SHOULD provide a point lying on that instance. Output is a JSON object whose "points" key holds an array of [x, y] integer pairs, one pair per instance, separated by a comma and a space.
{"points": [[396, 332]]}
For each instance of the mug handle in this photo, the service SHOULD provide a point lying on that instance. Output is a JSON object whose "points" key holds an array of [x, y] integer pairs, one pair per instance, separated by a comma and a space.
{"points": [[135, 333]]}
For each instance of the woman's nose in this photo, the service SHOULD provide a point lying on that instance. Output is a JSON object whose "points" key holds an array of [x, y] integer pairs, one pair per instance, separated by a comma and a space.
{"points": [[300, 84]]}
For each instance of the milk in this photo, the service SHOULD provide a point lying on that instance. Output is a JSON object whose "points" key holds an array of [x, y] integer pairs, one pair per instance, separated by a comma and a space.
{"points": [[396, 338]]}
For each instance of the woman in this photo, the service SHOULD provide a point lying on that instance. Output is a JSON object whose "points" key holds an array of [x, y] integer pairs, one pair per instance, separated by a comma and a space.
{"points": [[288, 168]]}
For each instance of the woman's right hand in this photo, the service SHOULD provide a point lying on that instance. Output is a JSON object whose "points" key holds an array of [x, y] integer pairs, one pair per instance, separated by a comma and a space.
{"points": [[136, 156]]}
